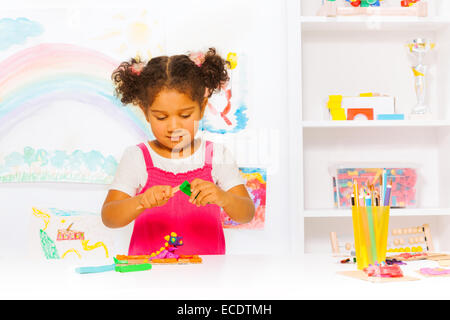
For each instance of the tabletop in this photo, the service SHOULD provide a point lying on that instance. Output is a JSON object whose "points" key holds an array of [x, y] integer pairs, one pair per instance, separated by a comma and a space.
{"points": [[309, 276]]}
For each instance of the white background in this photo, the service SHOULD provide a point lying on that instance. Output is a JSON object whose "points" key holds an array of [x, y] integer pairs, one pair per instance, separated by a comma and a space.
{"points": [[254, 27]]}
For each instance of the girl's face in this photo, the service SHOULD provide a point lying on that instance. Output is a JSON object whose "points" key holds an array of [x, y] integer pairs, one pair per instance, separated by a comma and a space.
{"points": [[174, 118]]}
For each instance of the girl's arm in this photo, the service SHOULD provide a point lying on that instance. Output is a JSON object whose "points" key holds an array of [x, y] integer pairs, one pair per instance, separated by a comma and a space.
{"points": [[119, 209], [240, 206]]}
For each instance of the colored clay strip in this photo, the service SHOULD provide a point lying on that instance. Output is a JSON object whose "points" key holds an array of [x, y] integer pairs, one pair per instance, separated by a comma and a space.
{"points": [[123, 257], [97, 269], [131, 261], [133, 267], [164, 261], [188, 256]]}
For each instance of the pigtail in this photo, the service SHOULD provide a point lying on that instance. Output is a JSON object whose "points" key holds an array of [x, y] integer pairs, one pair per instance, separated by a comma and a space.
{"points": [[214, 71], [127, 80]]}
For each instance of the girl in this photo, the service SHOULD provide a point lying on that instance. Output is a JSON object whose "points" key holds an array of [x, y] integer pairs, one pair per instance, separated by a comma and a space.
{"points": [[173, 93]]}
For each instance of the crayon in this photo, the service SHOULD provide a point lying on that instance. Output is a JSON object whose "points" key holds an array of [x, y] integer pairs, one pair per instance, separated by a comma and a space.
{"points": [[95, 269]]}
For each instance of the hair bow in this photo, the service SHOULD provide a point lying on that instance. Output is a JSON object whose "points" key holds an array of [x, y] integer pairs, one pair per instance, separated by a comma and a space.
{"points": [[197, 57]]}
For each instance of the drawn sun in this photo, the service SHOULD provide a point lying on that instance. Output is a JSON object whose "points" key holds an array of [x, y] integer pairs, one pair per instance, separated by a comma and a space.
{"points": [[134, 34]]}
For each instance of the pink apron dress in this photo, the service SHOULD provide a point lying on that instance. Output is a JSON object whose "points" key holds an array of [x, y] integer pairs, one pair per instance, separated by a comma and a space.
{"points": [[200, 227]]}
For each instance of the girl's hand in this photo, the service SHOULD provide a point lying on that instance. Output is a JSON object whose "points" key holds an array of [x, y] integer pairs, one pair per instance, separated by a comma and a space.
{"points": [[156, 196], [205, 192]]}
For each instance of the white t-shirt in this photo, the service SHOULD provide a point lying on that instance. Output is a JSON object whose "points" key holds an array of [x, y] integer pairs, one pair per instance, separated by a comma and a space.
{"points": [[131, 175]]}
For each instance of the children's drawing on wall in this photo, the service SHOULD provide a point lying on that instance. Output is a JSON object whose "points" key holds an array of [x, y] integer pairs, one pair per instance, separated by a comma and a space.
{"points": [[61, 234], [55, 87], [39, 76], [256, 180], [226, 111], [17, 31], [34, 165], [135, 33]]}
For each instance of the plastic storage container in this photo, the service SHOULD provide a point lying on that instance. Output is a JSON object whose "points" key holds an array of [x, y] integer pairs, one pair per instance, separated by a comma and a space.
{"points": [[404, 183]]}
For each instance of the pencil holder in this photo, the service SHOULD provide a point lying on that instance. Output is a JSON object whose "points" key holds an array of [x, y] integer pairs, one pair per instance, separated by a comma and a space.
{"points": [[370, 229]]}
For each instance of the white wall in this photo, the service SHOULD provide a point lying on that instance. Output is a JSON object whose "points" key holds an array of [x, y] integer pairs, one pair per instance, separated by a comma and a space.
{"points": [[254, 27]]}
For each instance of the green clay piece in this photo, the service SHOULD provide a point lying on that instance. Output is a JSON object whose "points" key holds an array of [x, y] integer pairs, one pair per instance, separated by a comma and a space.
{"points": [[186, 188], [134, 267]]}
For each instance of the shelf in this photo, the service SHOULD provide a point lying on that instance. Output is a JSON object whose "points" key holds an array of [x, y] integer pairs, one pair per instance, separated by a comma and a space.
{"points": [[330, 213], [373, 23], [376, 124]]}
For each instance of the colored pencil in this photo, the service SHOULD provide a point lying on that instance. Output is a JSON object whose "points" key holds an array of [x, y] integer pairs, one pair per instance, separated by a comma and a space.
{"points": [[387, 194]]}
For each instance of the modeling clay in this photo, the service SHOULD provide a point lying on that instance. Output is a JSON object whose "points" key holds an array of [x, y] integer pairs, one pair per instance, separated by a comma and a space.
{"points": [[167, 255], [98, 269], [133, 267], [165, 261], [168, 251], [411, 256], [384, 271], [131, 261], [185, 187], [394, 261], [435, 271], [123, 257], [190, 259]]}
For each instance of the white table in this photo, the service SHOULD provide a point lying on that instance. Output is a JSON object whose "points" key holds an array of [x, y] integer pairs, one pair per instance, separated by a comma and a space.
{"points": [[218, 277]]}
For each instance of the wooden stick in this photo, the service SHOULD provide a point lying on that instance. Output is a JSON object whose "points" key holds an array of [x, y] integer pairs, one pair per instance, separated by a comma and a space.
{"points": [[334, 243], [428, 240]]}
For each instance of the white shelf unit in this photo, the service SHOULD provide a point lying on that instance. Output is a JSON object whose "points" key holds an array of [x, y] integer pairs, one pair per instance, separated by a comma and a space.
{"points": [[352, 55]]}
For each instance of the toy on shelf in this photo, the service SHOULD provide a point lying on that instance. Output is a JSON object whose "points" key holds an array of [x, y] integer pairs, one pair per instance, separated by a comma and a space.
{"points": [[408, 3], [333, 8], [336, 248], [418, 48], [334, 105], [360, 114], [366, 106], [364, 3], [403, 183], [412, 239]]}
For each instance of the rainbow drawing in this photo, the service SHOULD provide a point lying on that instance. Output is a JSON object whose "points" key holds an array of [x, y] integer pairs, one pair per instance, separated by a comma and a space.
{"points": [[49, 72]]}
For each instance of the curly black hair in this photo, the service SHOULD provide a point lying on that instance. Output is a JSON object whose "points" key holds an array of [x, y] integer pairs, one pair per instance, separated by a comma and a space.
{"points": [[139, 83]]}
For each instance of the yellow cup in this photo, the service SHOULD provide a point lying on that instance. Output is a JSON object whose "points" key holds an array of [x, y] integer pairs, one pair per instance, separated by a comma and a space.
{"points": [[370, 230]]}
